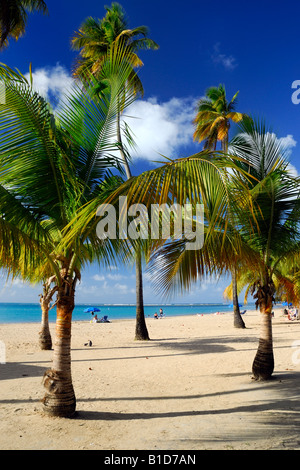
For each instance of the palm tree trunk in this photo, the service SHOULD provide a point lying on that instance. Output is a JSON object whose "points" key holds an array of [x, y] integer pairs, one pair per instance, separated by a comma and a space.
{"points": [[60, 397], [238, 322], [141, 328], [45, 340], [141, 332], [263, 364]]}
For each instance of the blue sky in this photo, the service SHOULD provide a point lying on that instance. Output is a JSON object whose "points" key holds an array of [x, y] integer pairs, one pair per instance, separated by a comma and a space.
{"points": [[251, 47]]}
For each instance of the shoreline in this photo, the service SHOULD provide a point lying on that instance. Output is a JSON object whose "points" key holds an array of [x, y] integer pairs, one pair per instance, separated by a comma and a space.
{"points": [[188, 388], [147, 317]]}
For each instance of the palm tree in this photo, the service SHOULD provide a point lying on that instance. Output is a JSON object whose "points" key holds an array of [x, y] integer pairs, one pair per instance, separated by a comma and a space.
{"points": [[285, 279], [13, 17], [275, 236], [93, 39], [266, 238], [193, 180], [214, 113], [96, 35], [46, 297], [50, 167], [212, 124], [264, 241]]}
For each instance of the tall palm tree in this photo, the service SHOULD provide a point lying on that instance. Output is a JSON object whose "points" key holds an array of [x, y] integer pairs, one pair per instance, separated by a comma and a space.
{"points": [[13, 17], [49, 168], [46, 298], [275, 237], [193, 180], [285, 279], [268, 234], [212, 121], [212, 124], [96, 35], [264, 198], [93, 39]]}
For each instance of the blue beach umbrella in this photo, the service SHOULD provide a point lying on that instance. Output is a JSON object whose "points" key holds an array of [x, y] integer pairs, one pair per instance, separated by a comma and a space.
{"points": [[284, 304], [92, 310], [231, 305]]}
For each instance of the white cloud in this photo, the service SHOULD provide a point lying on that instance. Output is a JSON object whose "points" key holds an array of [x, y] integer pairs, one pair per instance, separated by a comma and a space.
{"points": [[111, 277], [289, 143], [124, 289], [52, 82], [98, 277], [84, 289], [227, 61], [116, 277], [293, 170], [160, 128]]}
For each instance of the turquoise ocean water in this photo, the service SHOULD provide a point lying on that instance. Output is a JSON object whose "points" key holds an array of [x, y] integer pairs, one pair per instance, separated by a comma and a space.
{"points": [[28, 313]]}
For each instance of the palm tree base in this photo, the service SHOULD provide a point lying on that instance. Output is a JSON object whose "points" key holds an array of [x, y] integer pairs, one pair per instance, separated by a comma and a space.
{"points": [[60, 398], [45, 341], [263, 365], [141, 338], [238, 322], [141, 333]]}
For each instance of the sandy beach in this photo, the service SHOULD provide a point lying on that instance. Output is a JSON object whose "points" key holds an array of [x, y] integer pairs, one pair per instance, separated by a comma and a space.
{"points": [[188, 388]]}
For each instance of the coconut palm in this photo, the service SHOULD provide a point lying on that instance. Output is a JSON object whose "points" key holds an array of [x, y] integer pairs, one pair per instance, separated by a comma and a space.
{"points": [[264, 236], [212, 124], [261, 233], [46, 298], [194, 180], [267, 234], [285, 279], [95, 36], [50, 167], [13, 17], [93, 39], [275, 236], [214, 114]]}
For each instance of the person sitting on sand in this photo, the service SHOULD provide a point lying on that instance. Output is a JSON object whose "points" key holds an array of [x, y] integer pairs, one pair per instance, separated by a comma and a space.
{"points": [[293, 314], [155, 315]]}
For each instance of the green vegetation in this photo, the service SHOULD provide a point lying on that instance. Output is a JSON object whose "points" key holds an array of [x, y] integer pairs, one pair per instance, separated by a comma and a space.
{"points": [[13, 17], [56, 169], [93, 40]]}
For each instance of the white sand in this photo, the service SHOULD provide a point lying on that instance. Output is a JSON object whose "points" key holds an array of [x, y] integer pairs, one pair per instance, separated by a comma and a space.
{"points": [[188, 388]]}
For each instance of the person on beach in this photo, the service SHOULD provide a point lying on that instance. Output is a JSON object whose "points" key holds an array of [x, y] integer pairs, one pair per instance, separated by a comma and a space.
{"points": [[155, 315], [293, 314], [161, 313]]}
